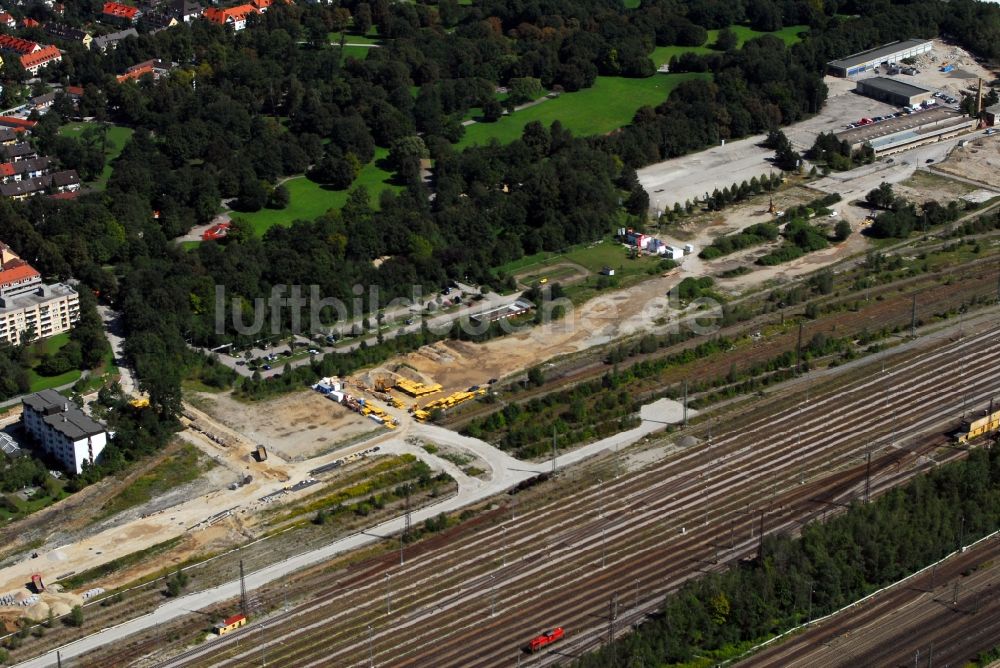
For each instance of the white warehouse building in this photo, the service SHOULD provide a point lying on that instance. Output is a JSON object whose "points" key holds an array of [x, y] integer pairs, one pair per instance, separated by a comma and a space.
{"points": [[63, 430], [872, 58]]}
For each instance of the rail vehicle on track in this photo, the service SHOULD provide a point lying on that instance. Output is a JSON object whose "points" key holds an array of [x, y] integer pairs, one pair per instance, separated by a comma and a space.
{"points": [[970, 429], [547, 638]]}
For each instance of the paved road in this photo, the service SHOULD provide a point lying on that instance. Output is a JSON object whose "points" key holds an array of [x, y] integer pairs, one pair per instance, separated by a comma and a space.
{"points": [[113, 330], [507, 471]]}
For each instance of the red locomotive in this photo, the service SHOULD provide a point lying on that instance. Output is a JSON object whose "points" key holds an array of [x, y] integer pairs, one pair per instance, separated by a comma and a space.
{"points": [[546, 638]]}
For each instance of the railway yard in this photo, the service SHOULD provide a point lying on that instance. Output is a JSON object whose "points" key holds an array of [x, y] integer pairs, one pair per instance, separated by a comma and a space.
{"points": [[947, 609], [613, 545]]}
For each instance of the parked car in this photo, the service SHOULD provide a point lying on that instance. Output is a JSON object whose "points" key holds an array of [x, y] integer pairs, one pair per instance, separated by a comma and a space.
{"points": [[267, 367]]}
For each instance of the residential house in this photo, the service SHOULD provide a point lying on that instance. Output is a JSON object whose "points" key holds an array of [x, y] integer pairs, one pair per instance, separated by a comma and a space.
{"points": [[7, 137], [69, 34], [28, 22], [155, 68], [64, 431], [119, 14], [16, 45], [43, 102], [26, 302], [186, 10], [64, 181], [22, 170], [33, 62], [18, 151], [17, 124], [6, 19], [110, 41], [236, 17], [157, 21]]}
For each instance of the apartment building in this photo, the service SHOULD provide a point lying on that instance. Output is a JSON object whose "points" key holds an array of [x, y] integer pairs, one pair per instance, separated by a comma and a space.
{"points": [[65, 432], [29, 305]]}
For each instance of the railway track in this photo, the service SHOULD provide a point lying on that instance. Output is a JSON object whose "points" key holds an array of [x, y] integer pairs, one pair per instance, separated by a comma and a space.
{"points": [[662, 526], [950, 629]]}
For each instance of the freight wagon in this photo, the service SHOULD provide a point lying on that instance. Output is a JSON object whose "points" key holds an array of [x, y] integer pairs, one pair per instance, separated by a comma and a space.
{"points": [[971, 429]]}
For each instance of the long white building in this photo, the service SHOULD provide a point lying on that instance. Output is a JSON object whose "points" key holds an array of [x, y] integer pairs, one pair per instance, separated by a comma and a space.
{"points": [[26, 303], [62, 429]]}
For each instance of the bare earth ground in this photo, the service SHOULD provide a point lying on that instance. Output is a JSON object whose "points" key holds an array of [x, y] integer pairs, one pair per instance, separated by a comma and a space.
{"points": [[978, 160], [296, 426]]}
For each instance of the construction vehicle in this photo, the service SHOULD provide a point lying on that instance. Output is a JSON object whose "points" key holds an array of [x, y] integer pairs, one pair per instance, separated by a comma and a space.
{"points": [[260, 453], [415, 389], [36, 582], [139, 403], [421, 415]]}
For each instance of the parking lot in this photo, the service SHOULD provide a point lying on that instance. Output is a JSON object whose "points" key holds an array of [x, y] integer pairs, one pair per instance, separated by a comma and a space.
{"points": [[890, 126]]}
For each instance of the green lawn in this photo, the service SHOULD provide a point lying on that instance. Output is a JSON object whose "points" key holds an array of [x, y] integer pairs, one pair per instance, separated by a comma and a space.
{"points": [[606, 106], [371, 38], [663, 54], [50, 346], [309, 200], [356, 52], [118, 136], [609, 253]]}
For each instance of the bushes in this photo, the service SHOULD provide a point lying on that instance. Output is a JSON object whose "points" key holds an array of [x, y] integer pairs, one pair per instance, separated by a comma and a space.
{"points": [[730, 243]]}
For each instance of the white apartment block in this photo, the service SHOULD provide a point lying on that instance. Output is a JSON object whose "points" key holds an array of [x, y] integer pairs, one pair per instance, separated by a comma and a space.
{"points": [[26, 303], [63, 430]]}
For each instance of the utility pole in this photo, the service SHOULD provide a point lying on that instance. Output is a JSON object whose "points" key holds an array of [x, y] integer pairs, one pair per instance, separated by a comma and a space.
{"points": [[505, 546], [798, 352], [371, 649], [58, 659], [686, 383], [243, 592], [388, 596], [603, 550], [553, 449], [868, 476], [913, 318], [811, 590], [493, 595], [760, 548]]}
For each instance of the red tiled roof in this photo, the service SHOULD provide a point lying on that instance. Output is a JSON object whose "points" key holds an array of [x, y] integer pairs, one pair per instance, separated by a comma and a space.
{"points": [[119, 10], [220, 16], [232, 620], [28, 22], [74, 90], [18, 270], [6, 18], [6, 169], [47, 54], [65, 195], [135, 73], [17, 123], [18, 45]]}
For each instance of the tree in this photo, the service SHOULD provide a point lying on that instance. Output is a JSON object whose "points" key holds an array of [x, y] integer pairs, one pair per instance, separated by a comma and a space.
{"points": [[492, 110], [882, 197], [524, 89], [842, 230], [363, 18], [75, 617], [726, 40], [279, 198]]}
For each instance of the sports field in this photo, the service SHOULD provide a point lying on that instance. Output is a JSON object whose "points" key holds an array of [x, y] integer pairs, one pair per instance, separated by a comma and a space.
{"points": [[309, 200], [606, 106]]}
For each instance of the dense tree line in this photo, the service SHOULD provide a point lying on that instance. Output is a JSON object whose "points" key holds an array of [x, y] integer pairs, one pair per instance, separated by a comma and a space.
{"points": [[838, 561], [244, 110]]}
